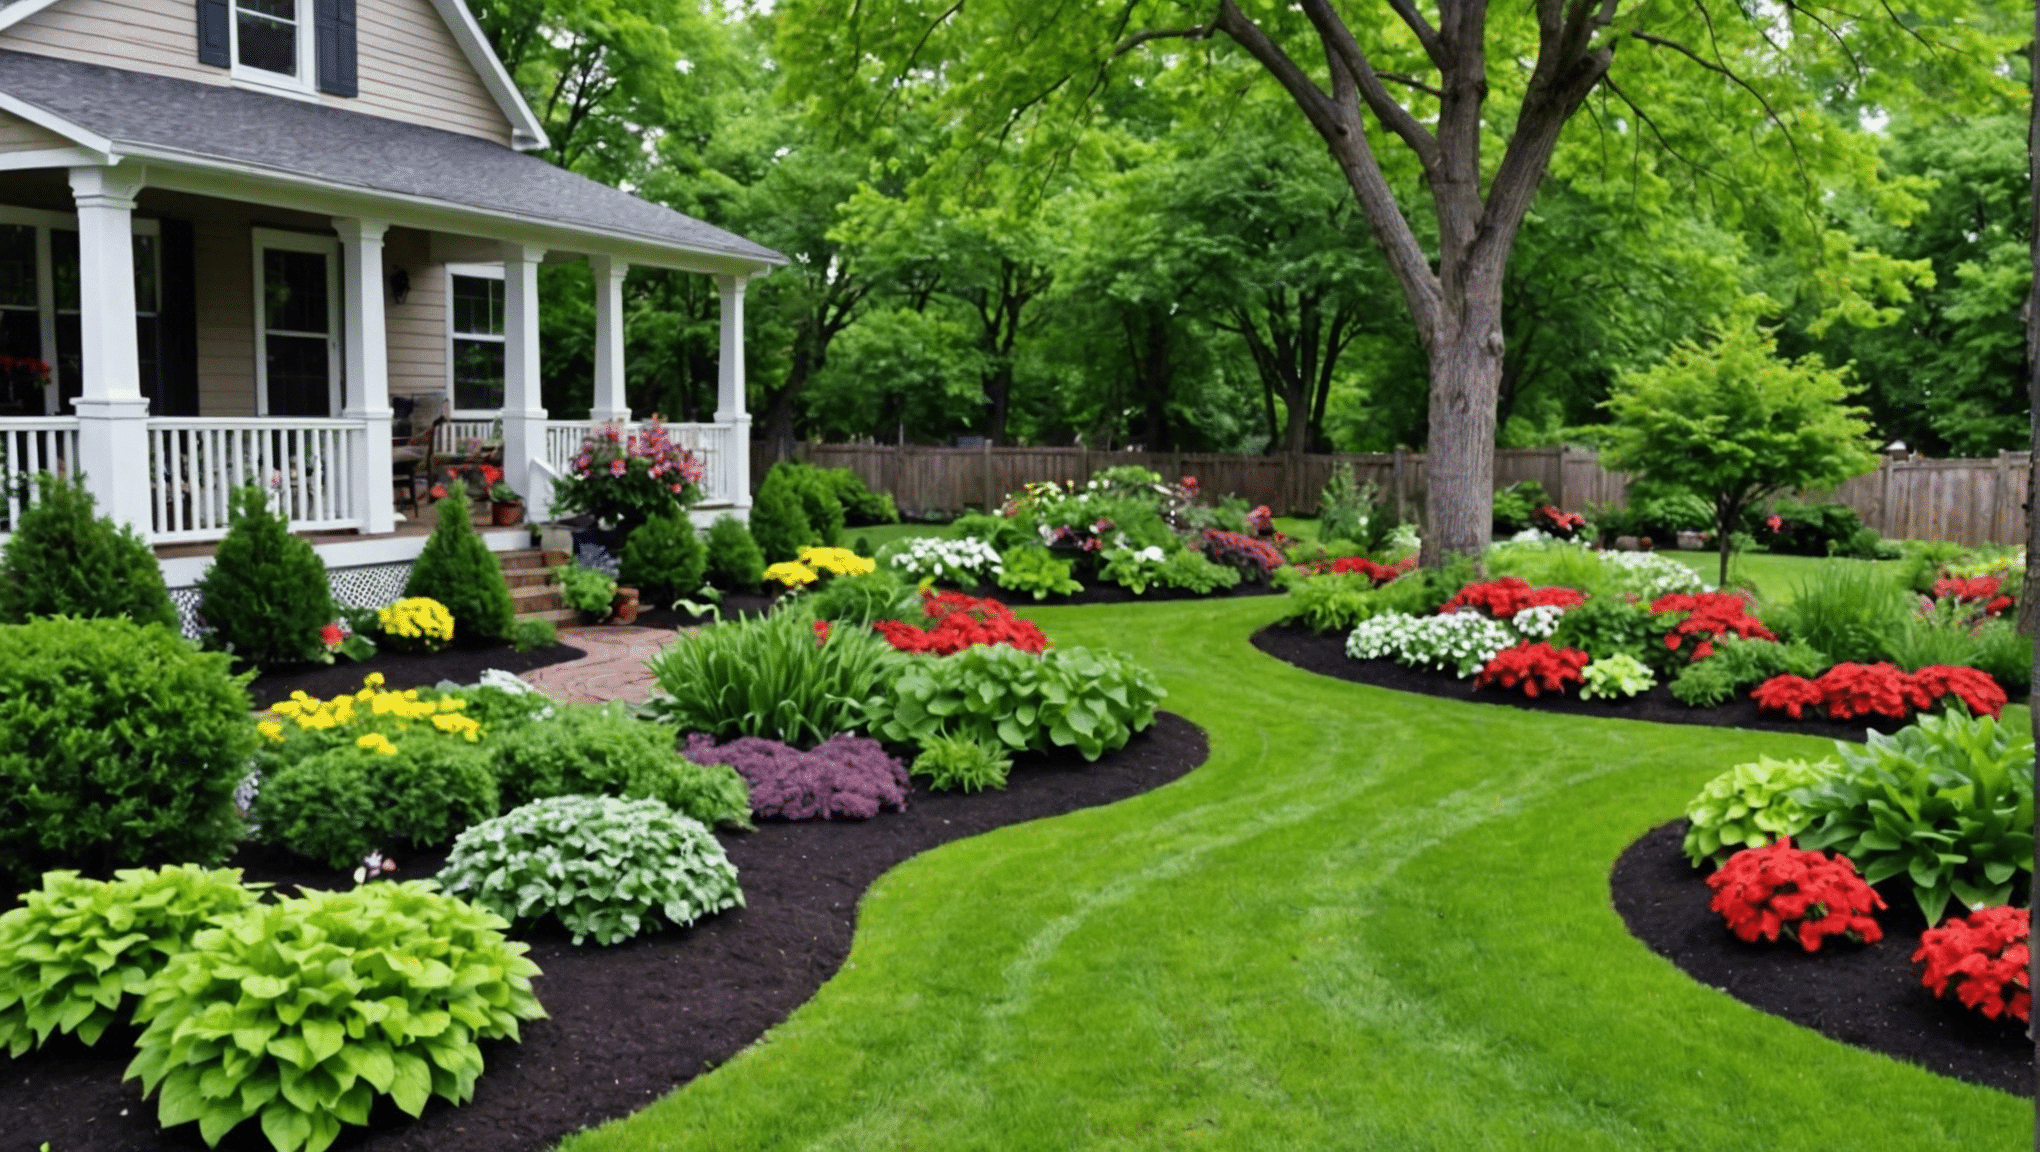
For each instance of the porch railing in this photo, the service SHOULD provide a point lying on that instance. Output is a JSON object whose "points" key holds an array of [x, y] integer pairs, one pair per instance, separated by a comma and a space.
{"points": [[307, 466], [28, 445], [453, 437], [710, 443]]}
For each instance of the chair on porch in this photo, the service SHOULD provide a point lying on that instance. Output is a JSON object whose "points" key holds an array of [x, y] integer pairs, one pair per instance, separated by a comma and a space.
{"points": [[410, 462]]}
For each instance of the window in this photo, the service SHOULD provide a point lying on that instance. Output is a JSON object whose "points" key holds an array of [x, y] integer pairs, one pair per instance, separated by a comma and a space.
{"points": [[297, 320], [39, 305], [272, 43], [475, 335]]}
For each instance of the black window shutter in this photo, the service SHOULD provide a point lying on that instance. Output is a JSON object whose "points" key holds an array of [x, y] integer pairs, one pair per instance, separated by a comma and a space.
{"points": [[335, 31], [212, 33]]}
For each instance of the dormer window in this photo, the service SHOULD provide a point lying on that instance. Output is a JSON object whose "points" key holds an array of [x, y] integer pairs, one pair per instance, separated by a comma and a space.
{"points": [[272, 42], [292, 46]]}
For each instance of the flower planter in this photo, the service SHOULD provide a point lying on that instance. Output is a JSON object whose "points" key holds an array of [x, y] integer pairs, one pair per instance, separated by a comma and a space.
{"points": [[624, 609], [506, 514]]}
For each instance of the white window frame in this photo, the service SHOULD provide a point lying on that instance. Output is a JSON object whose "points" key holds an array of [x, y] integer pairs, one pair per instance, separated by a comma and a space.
{"points": [[473, 272], [266, 239], [304, 84], [44, 222]]}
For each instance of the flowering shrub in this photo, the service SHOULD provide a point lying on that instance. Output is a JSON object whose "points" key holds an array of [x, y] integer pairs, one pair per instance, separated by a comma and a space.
{"points": [[1255, 558], [1650, 575], [1979, 590], [815, 563], [1616, 677], [1789, 694], [417, 623], [960, 621], [1534, 667], [1373, 570], [1749, 806], [966, 563], [1847, 691], [1931, 686], [1462, 642], [1562, 524], [1984, 957], [1706, 617], [1503, 599], [1851, 690], [628, 479], [843, 778], [1765, 891], [1538, 622]]}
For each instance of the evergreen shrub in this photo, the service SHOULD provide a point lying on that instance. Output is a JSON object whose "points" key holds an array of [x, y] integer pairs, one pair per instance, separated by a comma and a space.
{"points": [[664, 559], [458, 570], [266, 597], [342, 803], [735, 562], [779, 521], [861, 506], [64, 561]]}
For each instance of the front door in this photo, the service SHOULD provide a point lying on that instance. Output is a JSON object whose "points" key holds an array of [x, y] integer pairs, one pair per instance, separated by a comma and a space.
{"points": [[297, 297]]}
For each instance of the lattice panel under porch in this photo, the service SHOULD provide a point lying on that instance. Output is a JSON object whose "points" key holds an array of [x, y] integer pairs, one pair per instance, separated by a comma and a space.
{"points": [[369, 586]]}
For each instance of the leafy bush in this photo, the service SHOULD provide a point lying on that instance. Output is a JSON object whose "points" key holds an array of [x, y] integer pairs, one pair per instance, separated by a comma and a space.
{"points": [[1514, 505], [861, 505], [601, 866], [2006, 655], [79, 950], [778, 522], [1334, 602], [1194, 572], [1034, 569], [1255, 559], [458, 570], [1985, 957], [843, 778], [586, 590], [997, 695], [1605, 627], [818, 502], [120, 745], [1616, 677], [1749, 806], [664, 559], [962, 563], [1535, 668], [860, 600], [964, 764], [416, 623], [770, 677], [342, 803], [266, 596], [600, 750], [1737, 664], [1763, 891], [735, 562], [1947, 801], [1462, 642], [1799, 529], [1926, 561], [1342, 507], [529, 635], [304, 1011], [1001, 532], [1847, 610], [959, 621], [64, 561], [1131, 568]]}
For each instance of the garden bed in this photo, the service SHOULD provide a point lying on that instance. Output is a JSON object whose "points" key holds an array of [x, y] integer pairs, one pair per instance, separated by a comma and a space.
{"points": [[628, 1023], [1865, 995], [1326, 654], [404, 670]]}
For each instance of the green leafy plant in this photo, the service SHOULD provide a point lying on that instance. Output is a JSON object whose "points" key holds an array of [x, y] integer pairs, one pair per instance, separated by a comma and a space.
{"points": [[1131, 568], [304, 1011], [529, 635], [601, 866], [779, 522], [664, 558], [770, 677], [861, 600], [1616, 677], [1004, 533], [458, 570], [1342, 507], [64, 561], [1613, 626], [266, 596], [585, 590], [1848, 610], [78, 950], [861, 505], [341, 803], [818, 502], [998, 695], [1947, 801], [1749, 806], [602, 750], [735, 562], [1193, 571], [120, 745], [1333, 602], [1739, 663], [961, 763], [1035, 570]]}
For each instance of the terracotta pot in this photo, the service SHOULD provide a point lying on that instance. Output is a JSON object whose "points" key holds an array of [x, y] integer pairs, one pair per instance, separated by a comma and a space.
{"points": [[506, 514], [625, 611]]}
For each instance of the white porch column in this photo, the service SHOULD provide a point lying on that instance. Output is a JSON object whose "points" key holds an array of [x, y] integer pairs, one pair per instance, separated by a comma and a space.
{"points": [[523, 411], [366, 356], [113, 415], [729, 395], [611, 405]]}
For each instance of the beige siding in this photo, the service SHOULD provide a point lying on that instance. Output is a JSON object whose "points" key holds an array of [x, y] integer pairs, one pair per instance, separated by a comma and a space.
{"points": [[417, 327], [18, 135], [410, 67]]}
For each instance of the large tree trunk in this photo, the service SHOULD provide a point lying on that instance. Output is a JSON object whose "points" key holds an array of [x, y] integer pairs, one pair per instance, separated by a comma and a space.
{"points": [[2029, 595], [1459, 465]]}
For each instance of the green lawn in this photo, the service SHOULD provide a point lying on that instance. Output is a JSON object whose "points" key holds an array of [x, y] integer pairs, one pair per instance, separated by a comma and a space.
{"points": [[1371, 921]]}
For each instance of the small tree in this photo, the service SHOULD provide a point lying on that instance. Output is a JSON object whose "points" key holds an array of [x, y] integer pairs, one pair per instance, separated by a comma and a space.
{"points": [[1732, 423], [266, 596], [458, 570], [64, 561], [779, 522]]}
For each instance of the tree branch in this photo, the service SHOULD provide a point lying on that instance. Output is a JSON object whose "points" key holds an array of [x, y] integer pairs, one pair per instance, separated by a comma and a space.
{"points": [[1681, 157], [1770, 113], [1343, 50], [1412, 82]]}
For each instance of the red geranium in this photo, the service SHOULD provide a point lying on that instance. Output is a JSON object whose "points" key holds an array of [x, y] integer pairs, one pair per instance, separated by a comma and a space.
{"points": [[960, 621], [1379, 573], [1708, 617], [821, 631], [1985, 957], [1982, 590], [1852, 690], [1789, 694], [1931, 686], [1534, 667], [1765, 891], [1502, 599]]}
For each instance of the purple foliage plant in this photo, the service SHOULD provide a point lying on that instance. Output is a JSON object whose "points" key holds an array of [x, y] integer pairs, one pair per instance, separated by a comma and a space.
{"points": [[843, 778]]}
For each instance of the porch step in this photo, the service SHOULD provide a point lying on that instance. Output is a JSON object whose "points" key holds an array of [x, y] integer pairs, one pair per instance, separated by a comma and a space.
{"points": [[563, 617], [534, 593], [522, 559]]}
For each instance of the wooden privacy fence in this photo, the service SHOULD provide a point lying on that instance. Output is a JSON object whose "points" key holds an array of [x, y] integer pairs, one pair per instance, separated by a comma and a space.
{"points": [[1966, 501]]}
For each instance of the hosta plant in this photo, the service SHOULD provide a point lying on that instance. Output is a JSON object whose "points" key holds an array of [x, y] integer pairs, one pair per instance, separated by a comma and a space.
{"points": [[1033, 569], [1063, 698], [962, 764], [1461, 642], [77, 951], [302, 1012], [1749, 806], [1615, 677], [1131, 568], [1193, 571], [768, 677], [601, 866], [1984, 958], [1947, 802], [1534, 668], [1763, 892], [843, 778]]}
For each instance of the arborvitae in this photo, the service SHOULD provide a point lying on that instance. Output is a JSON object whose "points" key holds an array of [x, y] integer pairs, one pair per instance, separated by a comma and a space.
{"points": [[458, 570], [779, 523], [664, 559], [818, 501], [64, 561], [734, 561], [266, 596]]}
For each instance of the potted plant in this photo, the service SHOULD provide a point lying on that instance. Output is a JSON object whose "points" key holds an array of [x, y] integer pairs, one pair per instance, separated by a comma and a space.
{"points": [[589, 591], [505, 505]]}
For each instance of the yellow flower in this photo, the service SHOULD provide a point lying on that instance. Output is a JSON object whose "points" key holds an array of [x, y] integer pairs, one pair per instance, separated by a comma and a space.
{"points": [[377, 742], [791, 573], [270, 730], [837, 562], [372, 680]]}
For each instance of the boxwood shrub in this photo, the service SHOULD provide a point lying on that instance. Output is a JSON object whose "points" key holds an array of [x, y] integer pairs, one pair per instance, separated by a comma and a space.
{"points": [[602, 750]]}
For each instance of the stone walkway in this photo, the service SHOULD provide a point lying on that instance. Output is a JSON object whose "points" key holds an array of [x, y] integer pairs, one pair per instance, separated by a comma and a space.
{"points": [[613, 669]]}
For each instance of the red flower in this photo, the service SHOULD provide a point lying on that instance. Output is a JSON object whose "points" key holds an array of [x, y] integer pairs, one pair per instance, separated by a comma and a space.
{"points": [[1379, 573], [1708, 616], [331, 635], [1763, 891], [617, 466], [1985, 957], [437, 491], [1534, 667], [491, 474], [1789, 694], [821, 631], [961, 621], [1502, 599], [1774, 522]]}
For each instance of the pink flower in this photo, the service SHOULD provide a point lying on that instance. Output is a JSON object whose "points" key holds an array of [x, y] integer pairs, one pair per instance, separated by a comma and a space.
{"points": [[676, 489], [616, 467]]}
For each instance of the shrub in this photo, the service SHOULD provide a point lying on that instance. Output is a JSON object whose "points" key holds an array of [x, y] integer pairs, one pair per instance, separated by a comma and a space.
{"points": [[304, 1011], [1749, 806], [769, 677], [528, 635], [1195, 572], [1334, 602], [963, 563], [1255, 559], [861, 505], [586, 590], [79, 950], [600, 750], [860, 600], [418, 623], [458, 570], [342, 803], [1799, 529], [1605, 627], [1765, 891], [843, 778], [601, 866], [120, 745], [664, 559], [734, 560], [961, 621], [1848, 610], [1533, 667], [1064, 698], [1985, 957], [1737, 664], [818, 502], [266, 596], [964, 764], [1947, 801], [1705, 617], [1513, 506], [779, 523], [1616, 677], [1033, 569], [64, 561], [1462, 642], [1502, 599]]}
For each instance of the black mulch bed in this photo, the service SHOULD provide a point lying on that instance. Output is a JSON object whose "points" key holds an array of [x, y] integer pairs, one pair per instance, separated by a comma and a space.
{"points": [[631, 1022], [1326, 654], [1866, 995], [403, 670], [735, 603]]}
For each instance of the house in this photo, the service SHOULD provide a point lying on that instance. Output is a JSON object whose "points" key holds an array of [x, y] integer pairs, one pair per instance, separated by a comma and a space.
{"points": [[238, 230]]}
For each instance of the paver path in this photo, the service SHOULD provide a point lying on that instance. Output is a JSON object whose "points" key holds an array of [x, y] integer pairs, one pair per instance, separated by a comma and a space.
{"points": [[613, 669]]}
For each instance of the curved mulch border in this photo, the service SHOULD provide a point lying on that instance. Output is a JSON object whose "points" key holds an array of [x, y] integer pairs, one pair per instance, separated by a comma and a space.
{"points": [[735, 603], [1326, 654], [1868, 995], [632, 1022], [404, 670]]}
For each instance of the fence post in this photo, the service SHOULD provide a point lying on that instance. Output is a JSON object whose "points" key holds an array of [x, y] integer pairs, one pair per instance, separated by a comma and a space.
{"points": [[985, 471], [1395, 487]]}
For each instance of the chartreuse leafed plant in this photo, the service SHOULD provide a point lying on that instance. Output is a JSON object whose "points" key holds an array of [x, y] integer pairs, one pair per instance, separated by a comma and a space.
{"points": [[998, 695], [78, 951], [302, 1012], [602, 867], [961, 763], [770, 677], [1749, 806], [1035, 570], [1616, 677]]}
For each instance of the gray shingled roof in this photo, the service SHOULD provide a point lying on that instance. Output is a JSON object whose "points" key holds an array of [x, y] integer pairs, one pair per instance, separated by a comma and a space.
{"points": [[209, 121]]}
